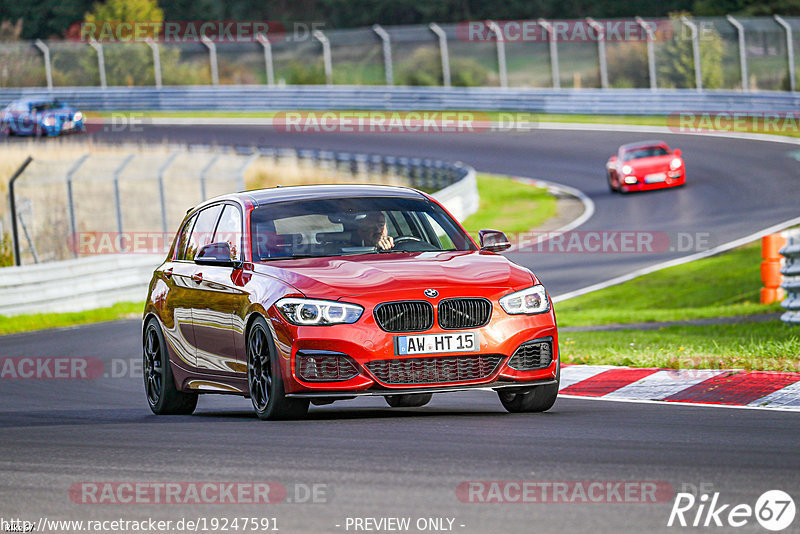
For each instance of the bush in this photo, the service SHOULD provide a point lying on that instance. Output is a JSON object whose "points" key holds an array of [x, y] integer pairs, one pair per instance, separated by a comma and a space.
{"points": [[299, 73], [424, 67], [678, 69], [627, 65], [6, 251]]}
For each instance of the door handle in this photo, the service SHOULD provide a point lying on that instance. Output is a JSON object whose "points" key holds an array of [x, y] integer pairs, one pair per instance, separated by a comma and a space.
{"points": [[197, 277], [168, 273]]}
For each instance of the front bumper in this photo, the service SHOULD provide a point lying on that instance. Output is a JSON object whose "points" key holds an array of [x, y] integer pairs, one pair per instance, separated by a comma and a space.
{"points": [[411, 391], [364, 342], [674, 179]]}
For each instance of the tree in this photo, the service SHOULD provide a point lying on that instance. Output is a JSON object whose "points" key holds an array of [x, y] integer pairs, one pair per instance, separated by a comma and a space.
{"points": [[676, 64]]}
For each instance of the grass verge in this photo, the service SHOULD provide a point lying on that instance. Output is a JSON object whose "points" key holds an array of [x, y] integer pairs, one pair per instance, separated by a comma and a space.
{"points": [[764, 346], [723, 285], [41, 321], [740, 125], [509, 206], [726, 285]]}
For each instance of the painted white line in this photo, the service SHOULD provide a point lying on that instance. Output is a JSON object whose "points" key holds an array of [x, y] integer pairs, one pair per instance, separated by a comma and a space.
{"points": [[788, 397], [662, 384], [678, 404], [556, 188], [573, 374]]}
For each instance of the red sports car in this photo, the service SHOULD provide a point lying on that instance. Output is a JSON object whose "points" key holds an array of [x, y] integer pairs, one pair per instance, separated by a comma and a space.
{"points": [[322, 293], [644, 166]]}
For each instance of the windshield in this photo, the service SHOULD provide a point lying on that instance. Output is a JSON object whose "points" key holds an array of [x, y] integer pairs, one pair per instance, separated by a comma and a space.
{"points": [[644, 152], [346, 226], [46, 106]]}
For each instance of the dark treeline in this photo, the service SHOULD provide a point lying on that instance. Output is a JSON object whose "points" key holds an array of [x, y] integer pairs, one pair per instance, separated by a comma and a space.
{"points": [[52, 18]]}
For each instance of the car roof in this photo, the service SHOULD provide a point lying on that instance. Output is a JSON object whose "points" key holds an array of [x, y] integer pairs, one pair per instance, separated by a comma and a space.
{"points": [[642, 144], [260, 197]]}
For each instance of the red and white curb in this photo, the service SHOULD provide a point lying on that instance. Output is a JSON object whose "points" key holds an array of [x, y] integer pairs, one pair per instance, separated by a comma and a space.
{"points": [[754, 389]]}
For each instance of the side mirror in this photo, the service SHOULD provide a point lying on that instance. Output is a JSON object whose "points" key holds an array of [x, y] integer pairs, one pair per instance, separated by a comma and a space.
{"points": [[677, 152], [493, 240], [216, 254]]}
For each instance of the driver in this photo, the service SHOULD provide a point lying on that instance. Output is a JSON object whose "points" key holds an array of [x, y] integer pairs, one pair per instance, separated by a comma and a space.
{"points": [[372, 231]]}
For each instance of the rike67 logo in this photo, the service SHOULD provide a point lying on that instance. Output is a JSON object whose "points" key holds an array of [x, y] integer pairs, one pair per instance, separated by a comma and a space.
{"points": [[774, 510]]}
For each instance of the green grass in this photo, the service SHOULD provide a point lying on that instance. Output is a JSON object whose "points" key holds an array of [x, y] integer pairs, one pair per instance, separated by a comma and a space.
{"points": [[766, 346], [639, 120], [724, 285], [41, 321], [509, 206], [720, 286]]}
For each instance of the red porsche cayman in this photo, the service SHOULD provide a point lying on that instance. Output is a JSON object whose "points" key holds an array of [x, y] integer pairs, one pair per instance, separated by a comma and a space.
{"points": [[314, 294], [644, 166]]}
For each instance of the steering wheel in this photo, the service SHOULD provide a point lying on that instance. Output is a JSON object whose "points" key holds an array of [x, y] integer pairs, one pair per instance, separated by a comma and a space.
{"points": [[406, 238]]}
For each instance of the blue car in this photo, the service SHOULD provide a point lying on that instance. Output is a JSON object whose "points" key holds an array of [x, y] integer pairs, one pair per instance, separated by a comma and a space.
{"points": [[40, 116]]}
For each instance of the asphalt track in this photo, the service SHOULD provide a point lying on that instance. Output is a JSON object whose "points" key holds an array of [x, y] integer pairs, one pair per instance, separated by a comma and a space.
{"points": [[378, 462]]}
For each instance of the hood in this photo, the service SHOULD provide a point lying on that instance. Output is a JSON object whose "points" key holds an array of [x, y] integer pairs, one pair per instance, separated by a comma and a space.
{"points": [[336, 277], [654, 164]]}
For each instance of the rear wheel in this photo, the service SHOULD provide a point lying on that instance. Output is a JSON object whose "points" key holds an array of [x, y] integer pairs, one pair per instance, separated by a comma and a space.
{"points": [[159, 384], [265, 380], [533, 399], [408, 401]]}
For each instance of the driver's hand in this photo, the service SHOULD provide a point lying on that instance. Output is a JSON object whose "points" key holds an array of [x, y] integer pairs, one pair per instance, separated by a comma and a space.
{"points": [[385, 242]]}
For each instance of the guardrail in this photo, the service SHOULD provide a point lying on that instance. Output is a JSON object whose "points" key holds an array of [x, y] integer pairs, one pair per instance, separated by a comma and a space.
{"points": [[255, 97], [91, 282], [791, 277]]}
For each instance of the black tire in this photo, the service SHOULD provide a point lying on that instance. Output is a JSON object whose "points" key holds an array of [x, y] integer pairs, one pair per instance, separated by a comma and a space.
{"points": [[533, 399], [611, 184], [264, 378], [163, 396], [408, 401]]}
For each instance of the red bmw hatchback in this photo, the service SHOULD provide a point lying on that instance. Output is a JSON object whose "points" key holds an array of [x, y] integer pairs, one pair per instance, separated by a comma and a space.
{"points": [[314, 294]]}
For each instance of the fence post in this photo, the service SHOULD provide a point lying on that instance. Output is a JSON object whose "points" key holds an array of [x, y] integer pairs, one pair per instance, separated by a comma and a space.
{"points": [[789, 51], [501, 52], [73, 226], [203, 174], [601, 50], [264, 40], [435, 28], [698, 67], [101, 60], [156, 60], [212, 58], [651, 56], [551, 39], [117, 200], [162, 198], [387, 53], [13, 207], [326, 56], [48, 70], [742, 51]]}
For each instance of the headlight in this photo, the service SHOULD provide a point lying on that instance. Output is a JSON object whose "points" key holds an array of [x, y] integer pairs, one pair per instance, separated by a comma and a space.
{"points": [[627, 169], [309, 312], [675, 164], [49, 121], [78, 116], [528, 301]]}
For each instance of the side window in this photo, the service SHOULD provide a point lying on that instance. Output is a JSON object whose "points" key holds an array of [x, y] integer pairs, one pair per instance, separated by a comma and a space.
{"points": [[203, 231], [184, 239], [229, 230]]}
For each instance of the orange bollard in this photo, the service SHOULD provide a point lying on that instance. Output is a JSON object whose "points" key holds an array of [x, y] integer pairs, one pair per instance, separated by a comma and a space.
{"points": [[770, 268]]}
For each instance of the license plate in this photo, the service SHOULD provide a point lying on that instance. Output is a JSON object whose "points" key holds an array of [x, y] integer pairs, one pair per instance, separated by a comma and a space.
{"points": [[655, 178], [435, 343], [67, 125]]}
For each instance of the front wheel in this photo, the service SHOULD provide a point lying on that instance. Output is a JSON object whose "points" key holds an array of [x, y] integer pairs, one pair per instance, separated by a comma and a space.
{"points": [[265, 380], [159, 384], [611, 184], [532, 399]]}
